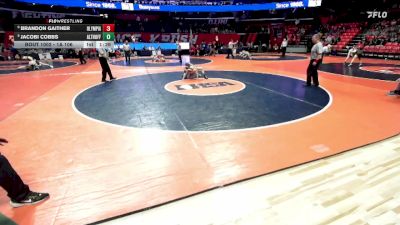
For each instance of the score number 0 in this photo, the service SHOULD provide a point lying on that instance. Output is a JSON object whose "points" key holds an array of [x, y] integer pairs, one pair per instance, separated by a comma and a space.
{"points": [[108, 32]]}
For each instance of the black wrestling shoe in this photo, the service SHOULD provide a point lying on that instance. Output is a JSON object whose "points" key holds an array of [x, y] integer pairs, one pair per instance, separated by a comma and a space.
{"points": [[31, 199], [394, 93]]}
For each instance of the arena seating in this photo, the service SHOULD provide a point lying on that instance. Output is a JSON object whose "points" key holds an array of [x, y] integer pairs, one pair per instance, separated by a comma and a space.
{"points": [[389, 50], [350, 30], [381, 39], [296, 32]]}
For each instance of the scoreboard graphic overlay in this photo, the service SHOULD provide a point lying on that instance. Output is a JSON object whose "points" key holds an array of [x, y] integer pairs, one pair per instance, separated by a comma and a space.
{"points": [[53, 34]]}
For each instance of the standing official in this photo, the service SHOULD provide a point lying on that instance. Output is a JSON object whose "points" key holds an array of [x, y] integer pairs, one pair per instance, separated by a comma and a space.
{"points": [[179, 50], [315, 61], [284, 45], [231, 46], [81, 57], [103, 57], [127, 51]]}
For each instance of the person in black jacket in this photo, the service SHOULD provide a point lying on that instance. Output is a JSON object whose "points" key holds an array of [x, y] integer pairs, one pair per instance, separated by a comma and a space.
{"points": [[103, 57], [81, 57], [16, 189]]}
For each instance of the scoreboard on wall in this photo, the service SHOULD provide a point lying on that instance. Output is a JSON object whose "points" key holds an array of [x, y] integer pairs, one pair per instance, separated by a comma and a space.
{"points": [[56, 34]]}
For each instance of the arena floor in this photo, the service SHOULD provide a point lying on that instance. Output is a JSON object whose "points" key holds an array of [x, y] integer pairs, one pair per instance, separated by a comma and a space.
{"points": [[149, 138]]}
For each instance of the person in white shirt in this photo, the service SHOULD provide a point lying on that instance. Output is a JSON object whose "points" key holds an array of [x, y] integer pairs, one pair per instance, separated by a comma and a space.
{"points": [[354, 52], [127, 51], [315, 60], [231, 46], [326, 50], [284, 44]]}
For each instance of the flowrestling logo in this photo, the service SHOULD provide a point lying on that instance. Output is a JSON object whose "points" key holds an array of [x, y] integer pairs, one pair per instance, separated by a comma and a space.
{"points": [[377, 14]]}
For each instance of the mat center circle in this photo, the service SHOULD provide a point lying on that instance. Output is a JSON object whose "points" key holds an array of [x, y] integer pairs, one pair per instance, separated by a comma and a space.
{"points": [[227, 100], [204, 87]]}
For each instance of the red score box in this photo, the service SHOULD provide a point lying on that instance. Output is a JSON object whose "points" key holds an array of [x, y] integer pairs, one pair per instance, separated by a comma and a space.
{"points": [[108, 27]]}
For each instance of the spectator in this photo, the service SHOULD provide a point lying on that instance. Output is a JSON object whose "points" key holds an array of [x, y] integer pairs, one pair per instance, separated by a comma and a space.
{"points": [[276, 47], [213, 49]]}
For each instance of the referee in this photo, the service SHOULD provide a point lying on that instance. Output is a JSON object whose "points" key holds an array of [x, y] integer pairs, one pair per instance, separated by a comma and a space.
{"points": [[284, 45], [316, 59], [103, 56], [231, 46], [81, 57], [179, 50], [127, 51]]}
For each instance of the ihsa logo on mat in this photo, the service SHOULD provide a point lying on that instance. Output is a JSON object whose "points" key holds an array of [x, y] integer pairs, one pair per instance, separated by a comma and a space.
{"points": [[203, 87]]}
